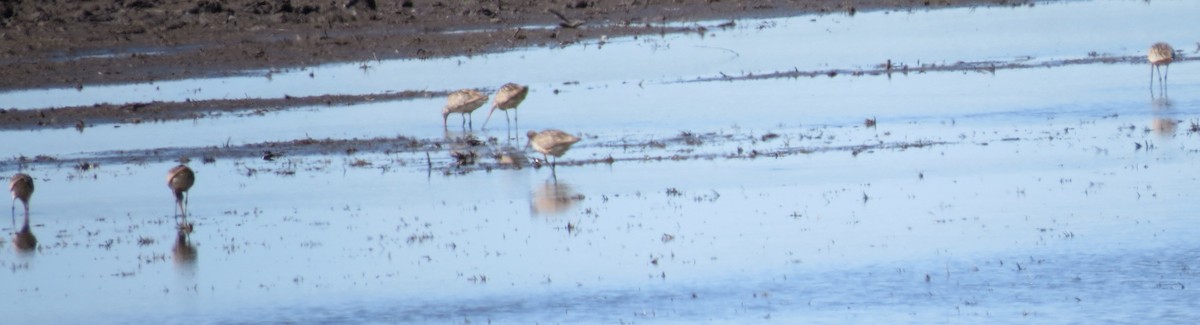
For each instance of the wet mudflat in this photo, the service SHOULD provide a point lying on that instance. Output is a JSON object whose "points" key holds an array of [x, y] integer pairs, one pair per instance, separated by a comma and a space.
{"points": [[699, 194]]}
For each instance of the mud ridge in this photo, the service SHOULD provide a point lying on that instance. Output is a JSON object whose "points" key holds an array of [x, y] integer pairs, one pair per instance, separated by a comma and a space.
{"points": [[71, 44], [889, 68], [451, 155]]}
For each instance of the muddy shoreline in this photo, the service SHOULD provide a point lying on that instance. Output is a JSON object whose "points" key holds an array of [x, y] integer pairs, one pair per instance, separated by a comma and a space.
{"points": [[102, 42]]}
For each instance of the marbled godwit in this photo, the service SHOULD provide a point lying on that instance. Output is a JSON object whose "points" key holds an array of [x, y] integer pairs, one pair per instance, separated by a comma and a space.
{"points": [[508, 97], [463, 101], [1160, 54], [551, 143], [180, 180], [21, 187]]}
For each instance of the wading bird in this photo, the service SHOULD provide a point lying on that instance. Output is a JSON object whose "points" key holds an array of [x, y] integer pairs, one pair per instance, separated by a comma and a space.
{"points": [[463, 101], [551, 143], [21, 187], [1160, 54], [180, 180], [508, 97]]}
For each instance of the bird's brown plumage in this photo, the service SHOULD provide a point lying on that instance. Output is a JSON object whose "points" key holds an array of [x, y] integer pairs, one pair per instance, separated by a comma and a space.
{"points": [[508, 97], [1160, 53], [180, 179], [21, 187], [551, 142], [463, 101]]}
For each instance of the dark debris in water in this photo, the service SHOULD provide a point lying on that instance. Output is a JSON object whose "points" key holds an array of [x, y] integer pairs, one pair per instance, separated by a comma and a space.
{"points": [[889, 68], [286, 158]]}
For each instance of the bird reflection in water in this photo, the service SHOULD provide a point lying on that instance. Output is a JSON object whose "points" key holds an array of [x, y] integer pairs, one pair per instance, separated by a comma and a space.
{"points": [[1162, 123], [24, 239], [511, 157], [552, 198], [184, 253]]}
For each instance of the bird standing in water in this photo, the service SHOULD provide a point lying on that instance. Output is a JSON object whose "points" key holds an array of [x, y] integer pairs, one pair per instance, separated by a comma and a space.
{"points": [[463, 101], [1160, 54], [551, 143], [508, 97], [21, 187], [180, 180]]}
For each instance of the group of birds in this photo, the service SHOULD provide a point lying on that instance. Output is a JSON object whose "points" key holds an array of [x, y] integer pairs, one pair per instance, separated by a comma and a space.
{"points": [[179, 180], [549, 142]]}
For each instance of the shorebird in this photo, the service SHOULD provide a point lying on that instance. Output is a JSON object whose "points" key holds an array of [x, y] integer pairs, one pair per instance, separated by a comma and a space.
{"points": [[508, 97], [21, 187], [463, 101], [180, 180], [1160, 54], [551, 143]]}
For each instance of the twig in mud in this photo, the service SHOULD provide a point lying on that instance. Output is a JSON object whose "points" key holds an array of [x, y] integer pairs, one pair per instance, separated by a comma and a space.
{"points": [[735, 53], [567, 22]]}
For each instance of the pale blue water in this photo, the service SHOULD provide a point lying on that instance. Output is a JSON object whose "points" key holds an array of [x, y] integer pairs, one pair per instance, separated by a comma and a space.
{"points": [[1035, 206]]}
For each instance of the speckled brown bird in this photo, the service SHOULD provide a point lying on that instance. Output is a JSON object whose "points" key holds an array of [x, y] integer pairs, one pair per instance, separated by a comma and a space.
{"points": [[21, 187], [463, 101], [1160, 54], [508, 97], [180, 180], [551, 143]]}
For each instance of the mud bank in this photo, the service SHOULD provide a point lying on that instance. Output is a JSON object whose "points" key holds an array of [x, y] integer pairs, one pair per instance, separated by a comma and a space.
{"points": [[101, 42]]}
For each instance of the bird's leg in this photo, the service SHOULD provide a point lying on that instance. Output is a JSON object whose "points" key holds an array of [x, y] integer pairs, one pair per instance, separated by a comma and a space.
{"points": [[1165, 75], [506, 121], [1151, 80], [553, 172]]}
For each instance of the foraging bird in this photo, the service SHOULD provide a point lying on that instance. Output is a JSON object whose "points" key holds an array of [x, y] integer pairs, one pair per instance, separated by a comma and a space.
{"points": [[21, 187], [551, 143], [180, 180], [463, 101], [1160, 54], [508, 97]]}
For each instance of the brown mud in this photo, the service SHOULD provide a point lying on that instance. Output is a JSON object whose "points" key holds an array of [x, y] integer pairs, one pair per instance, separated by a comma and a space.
{"points": [[82, 117], [78, 43]]}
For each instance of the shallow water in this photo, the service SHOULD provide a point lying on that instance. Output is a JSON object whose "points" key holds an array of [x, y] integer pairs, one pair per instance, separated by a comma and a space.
{"points": [[1046, 195]]}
